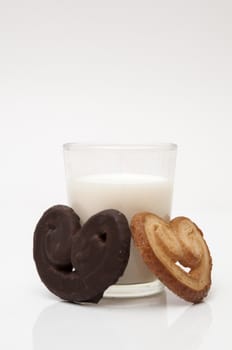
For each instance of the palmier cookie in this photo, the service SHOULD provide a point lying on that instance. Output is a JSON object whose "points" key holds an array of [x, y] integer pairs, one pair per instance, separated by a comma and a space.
{"points": [[166, 246], [78, 264]]}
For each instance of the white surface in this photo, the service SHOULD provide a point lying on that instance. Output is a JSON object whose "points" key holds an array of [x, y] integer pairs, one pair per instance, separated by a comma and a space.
{"points": [[125, 71]]}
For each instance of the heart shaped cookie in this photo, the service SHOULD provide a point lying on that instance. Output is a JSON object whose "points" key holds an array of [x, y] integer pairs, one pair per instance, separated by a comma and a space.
{"points": [[79, 263], [176, 252]]}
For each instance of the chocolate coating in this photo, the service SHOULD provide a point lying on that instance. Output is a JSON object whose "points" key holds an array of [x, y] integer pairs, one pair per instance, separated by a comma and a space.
{"points": [[78, 264], [100, 250], [60, 223]]}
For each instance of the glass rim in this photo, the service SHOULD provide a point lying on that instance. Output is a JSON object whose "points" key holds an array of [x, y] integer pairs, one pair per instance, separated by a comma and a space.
{"points": [[162, 146]]}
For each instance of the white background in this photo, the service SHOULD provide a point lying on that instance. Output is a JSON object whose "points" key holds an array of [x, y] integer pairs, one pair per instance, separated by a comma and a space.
{"points": [[113, 71]]}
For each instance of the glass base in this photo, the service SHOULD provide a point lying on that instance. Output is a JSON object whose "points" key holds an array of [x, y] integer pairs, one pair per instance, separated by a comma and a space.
{"points": [[134, 290]]}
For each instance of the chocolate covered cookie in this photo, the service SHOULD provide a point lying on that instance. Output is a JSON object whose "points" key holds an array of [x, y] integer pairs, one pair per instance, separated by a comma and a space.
{"points": [[79, 264]]}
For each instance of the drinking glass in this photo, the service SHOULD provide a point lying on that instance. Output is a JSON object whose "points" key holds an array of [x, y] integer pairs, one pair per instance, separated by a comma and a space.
{"points": [[131, 179]]}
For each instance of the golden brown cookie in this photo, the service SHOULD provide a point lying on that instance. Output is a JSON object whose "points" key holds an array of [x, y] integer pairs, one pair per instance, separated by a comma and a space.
{"points": [[176, 252]]}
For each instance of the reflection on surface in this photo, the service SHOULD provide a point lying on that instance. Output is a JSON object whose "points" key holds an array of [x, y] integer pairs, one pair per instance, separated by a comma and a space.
{"points": [[188, 331], [120, 323]]}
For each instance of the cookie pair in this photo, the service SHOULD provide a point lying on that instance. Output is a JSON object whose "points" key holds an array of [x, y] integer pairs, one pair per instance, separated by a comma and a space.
{"points": [[79, 263]]}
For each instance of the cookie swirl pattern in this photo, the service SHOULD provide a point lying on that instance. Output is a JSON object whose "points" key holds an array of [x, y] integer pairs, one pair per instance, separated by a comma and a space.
{"points": [[176, 252]]}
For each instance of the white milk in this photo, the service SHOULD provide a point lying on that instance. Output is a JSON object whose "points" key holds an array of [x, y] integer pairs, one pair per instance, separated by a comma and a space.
{"points": [[129, 193]]}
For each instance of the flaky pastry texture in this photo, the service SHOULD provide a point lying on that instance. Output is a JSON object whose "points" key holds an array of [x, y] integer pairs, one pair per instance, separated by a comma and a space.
{"points": [[176, 252]]}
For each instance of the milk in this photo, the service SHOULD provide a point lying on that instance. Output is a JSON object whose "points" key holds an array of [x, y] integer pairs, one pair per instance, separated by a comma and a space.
{"points": [[129, 193]]}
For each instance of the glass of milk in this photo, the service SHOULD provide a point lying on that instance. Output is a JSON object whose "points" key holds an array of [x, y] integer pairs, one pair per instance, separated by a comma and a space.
{"points": [[131, 179]]}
